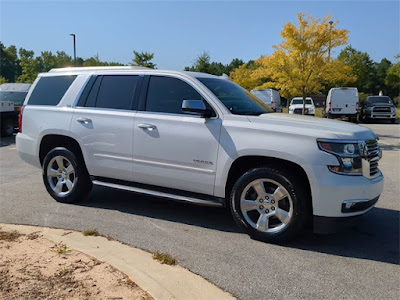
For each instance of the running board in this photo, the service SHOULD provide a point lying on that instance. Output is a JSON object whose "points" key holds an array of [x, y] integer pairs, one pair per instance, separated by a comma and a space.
{"points": [[205, 202]]}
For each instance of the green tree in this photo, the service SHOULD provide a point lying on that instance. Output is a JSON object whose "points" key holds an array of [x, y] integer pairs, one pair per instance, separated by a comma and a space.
{"points": [[381, 70], [234, 64], [143, 59], [393, 76], [29, 66], [201, 64], [95, 61], [3, 80], [204, 64], [9, 63], [362, 67]]}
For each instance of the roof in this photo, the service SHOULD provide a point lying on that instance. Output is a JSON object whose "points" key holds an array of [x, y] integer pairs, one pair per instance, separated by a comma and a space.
{"points": [[15, 87]]}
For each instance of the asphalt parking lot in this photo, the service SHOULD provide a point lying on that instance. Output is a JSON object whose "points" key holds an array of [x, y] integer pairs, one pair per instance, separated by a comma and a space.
{"points": [[361, 262]]}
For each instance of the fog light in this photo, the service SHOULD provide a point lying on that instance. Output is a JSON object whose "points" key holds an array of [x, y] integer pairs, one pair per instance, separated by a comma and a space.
{"points": [[349, 205], [347, 164]]}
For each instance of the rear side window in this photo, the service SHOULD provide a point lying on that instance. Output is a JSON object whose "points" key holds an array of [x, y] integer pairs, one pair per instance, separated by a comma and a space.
{"points": [[113, 91], [165, 94], [50, 90]]}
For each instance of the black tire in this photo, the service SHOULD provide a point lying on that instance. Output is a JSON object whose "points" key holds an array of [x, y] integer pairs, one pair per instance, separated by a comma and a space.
{"points": [[299, 194], [7, 127], [80, 178], [353, 119]]}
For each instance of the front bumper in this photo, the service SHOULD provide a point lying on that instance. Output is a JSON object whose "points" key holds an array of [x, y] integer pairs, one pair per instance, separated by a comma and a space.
{"points": [[331, 191], [381, 115]]}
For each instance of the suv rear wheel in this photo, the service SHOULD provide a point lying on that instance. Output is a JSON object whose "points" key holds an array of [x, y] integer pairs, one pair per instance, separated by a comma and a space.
{"points": [[65, 176], [270, 205]]}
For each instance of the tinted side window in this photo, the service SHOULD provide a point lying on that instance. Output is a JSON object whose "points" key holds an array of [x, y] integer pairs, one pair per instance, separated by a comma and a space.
{"points": [[165, 94], [91, 99], [116, 91], [50, 90]]}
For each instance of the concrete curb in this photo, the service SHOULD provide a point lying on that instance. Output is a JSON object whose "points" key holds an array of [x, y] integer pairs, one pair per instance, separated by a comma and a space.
{"points": [[160, 281]]}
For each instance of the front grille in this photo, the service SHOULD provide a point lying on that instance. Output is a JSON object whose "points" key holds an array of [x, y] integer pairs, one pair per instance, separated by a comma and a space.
{"points": [[373, 155], [300, 111], [381, 109]]}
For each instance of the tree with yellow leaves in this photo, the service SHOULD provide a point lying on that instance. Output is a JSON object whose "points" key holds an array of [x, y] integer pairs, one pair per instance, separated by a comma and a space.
{"points": [[301, 64]]}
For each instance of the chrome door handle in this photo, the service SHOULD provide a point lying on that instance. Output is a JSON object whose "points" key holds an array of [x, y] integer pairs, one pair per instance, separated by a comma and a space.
{"points": [[84, 120], [147, 126]]}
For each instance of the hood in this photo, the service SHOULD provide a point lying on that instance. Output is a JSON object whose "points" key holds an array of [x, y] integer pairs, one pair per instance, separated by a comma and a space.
{"points": [[301, 105], [380, 104], [311, 126]]}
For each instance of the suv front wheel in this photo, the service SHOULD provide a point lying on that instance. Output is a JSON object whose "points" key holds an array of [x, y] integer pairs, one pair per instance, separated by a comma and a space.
{"points": [[65, 176], [270, 205]]}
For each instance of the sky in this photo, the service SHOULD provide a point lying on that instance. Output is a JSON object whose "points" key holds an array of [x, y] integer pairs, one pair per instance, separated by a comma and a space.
{"points": [[178, 31]]}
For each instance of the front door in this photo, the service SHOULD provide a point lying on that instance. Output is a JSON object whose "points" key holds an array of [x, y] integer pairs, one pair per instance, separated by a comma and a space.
{"points": [[172, 149]]}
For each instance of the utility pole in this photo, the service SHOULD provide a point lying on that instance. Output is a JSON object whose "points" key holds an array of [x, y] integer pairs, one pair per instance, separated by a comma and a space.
{"points": [[73, 35]]}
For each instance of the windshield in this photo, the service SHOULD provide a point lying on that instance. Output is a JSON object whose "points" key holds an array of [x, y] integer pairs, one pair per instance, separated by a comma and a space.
{"points": [[379, 100], [16, 97], [300, 101], [235, 98]]}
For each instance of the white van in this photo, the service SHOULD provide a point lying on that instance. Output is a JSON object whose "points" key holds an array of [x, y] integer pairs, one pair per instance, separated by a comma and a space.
{"points": [[270, 97], [342, 102]]}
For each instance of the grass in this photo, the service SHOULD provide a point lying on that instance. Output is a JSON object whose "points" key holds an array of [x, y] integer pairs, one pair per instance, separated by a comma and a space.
{"points": [[164, 258], [61, 250], [90, 232], [63, 271]]}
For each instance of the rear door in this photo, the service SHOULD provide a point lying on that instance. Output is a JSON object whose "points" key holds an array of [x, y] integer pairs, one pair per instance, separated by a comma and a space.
{"points": [[103, 122], [343, 101], [172, 149]]}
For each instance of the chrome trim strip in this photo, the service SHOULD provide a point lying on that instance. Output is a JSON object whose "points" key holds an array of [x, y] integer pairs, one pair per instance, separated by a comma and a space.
{"points": [[179, 167], [210, 202], [355, 201], [112, 157]]}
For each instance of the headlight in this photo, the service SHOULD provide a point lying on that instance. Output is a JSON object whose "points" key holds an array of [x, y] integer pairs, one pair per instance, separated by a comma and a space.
{"points": [[311, 109], [348, 154], [290, 108]]}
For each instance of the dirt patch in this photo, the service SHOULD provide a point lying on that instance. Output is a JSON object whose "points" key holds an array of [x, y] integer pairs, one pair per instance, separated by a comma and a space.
{"points": [[32, 267]]}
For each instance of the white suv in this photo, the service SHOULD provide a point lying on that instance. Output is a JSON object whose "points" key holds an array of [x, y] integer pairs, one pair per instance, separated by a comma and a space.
{"points": [[197, 138]]}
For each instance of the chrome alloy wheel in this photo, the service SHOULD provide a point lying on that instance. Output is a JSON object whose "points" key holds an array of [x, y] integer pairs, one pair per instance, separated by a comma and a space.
{"points": [[266, 205], [61, 175]]}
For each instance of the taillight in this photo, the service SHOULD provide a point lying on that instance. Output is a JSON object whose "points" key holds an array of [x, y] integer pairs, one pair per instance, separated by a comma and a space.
{"points": [[272, 104], [20, 119], [357, 108], [330, 103]]}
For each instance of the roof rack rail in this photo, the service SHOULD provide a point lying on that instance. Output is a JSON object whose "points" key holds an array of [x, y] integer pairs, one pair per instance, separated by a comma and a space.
{"points": [[116, 68]]}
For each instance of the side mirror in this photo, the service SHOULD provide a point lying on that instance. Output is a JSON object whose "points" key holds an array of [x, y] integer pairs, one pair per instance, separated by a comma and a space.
{"points": [[197, 107]]}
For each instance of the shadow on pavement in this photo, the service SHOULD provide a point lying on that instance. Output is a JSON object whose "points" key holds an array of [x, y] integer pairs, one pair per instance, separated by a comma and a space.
{"points": [[7, 141], [375, 236], [157, 208]]}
